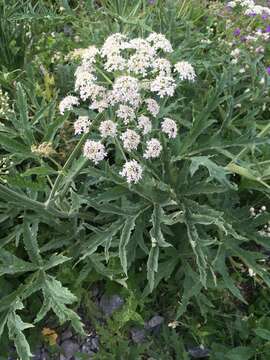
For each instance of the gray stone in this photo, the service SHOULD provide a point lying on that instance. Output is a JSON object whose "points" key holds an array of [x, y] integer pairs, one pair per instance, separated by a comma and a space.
{"points": [[67, 334], [154, 323], [109, 304], [199, 352], [69, 348], [137, 335]]}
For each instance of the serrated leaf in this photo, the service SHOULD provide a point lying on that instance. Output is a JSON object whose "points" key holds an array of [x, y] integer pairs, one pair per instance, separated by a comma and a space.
{"points": [[152, 266], [215, 171], [156, 233], [11, 264], [124, 240], [56, 298], [30, 241], [55, 260]]}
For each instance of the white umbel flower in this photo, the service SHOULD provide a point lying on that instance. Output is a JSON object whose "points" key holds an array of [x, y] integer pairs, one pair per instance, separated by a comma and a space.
{"points": [[169, 127], [152, 107], [126, 90], [89, 55], [185, 71], [162, 66], [163, 85], [144, 124], [159, 42], [153, 149], [132, 171], [130, 140], [126, 113], [107, 128], [82, 125], [67, 103], [94, 151]]}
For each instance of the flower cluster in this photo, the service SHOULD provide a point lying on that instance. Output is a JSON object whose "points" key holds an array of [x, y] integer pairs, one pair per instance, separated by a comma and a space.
{"points": [[124, 81], [252, 35], [5, 109]]}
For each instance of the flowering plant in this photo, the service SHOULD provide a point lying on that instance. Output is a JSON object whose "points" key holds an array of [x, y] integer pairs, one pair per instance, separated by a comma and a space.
{"points": [[127, 81]]}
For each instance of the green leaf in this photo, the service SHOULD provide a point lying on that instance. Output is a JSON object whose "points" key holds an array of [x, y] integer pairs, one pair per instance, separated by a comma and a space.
{"points": [[240, 353], [56, 297], [40, 170], [14, 146], [124, 240], [215, 171], [11, 264], [220, 265], [263, 333], [156, 233], [30, 241], [25, 124], [152, 266], [15, 328]]}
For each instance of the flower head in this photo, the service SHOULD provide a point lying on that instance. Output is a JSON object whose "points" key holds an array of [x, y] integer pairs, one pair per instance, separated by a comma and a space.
{"points": [[152, 107], [126, 113], [153, 149], [185, 71], [132, 171], [107, 128], [145, 124], [169, 127], [163, 85], [81, 126], [130, 140], [67, 103], [94, 151]]}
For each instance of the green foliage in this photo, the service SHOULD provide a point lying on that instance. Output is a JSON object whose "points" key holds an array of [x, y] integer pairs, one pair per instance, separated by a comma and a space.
{"points": [[182, 242]]}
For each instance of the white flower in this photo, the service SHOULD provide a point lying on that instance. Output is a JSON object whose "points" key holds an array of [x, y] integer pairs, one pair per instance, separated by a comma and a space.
{"points": [[81, 125], [99, 105], [235, 53], [185, 71], [152, 107], [113, 45], [169, 127], [145, 124], [163, 85], [130, 140], [162, 66], [115, 63], [143, 57], [107, 128], [126, 113], [67, 103], [89, 55], [126, 90], [94, 151], [153, 149], [159, 41], [132, 171]]}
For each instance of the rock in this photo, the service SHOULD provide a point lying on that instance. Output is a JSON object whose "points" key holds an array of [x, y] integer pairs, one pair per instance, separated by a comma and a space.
{"points": [[68, 31], [69, 348], [40, 354], [109, 304], [137, 335], [91, 344], [199, 352], [67, 334], [154, 323]]}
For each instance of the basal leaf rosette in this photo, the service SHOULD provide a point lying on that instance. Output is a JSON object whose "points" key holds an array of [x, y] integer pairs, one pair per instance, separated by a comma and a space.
{"points": [[125, 82]]}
